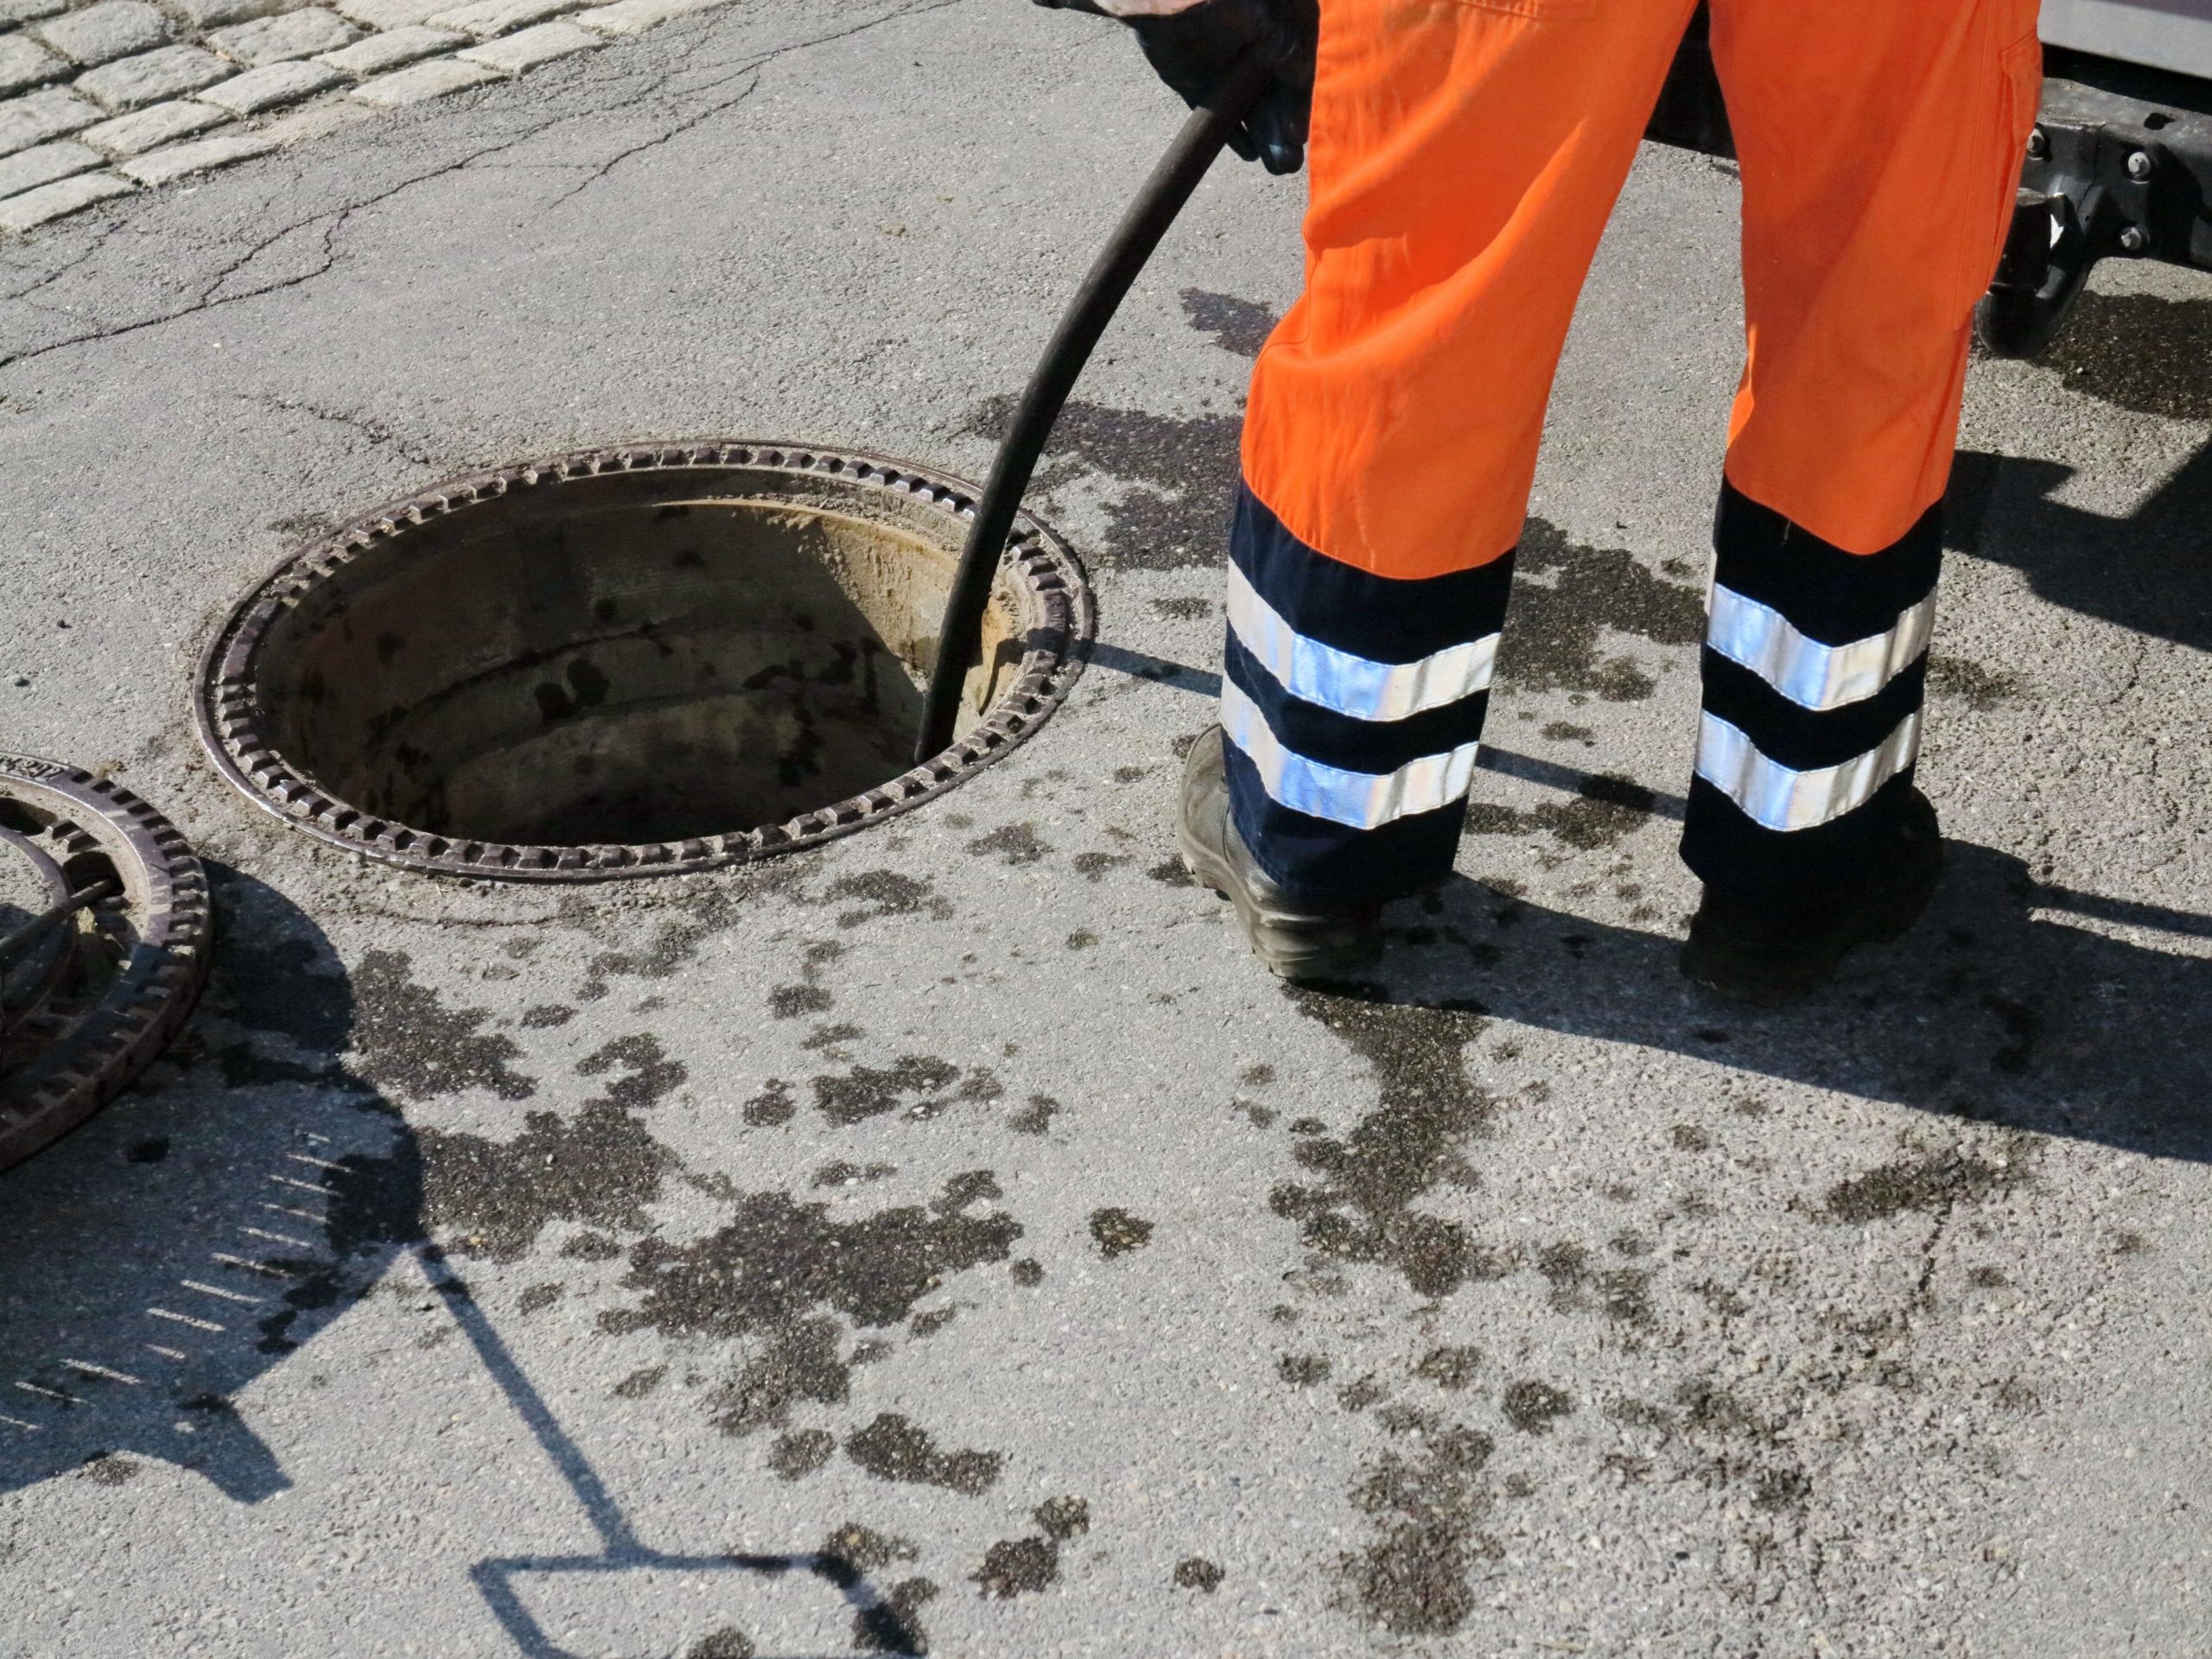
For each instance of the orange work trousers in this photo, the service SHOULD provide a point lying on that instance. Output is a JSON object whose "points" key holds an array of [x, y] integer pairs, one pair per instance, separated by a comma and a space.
{"points": [[1466, 155]]}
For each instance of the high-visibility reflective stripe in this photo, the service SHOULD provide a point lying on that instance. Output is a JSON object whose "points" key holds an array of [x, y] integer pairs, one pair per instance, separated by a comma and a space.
{"points": [[1779, 799], [1359, 800], [1343, 683], [1812, 675]]}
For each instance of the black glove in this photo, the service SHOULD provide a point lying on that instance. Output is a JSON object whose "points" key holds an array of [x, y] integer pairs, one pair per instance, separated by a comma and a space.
{"points": [[1191, 49]]}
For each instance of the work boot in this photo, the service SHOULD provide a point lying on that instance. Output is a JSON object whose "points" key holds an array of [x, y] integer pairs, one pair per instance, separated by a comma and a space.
{"points": [[1295, 938], [1773, 954]]}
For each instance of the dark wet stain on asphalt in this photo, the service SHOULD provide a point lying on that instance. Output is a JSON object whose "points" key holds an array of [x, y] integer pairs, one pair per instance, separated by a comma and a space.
{"points": [[412, 1045], [841, 1173], [894, 1624], [778, 1259], [1196, 1572], [1237, 325], [895, 1447], [1532, 1407], [1620, 1292], [1017, 1565], [676, 944], [1014, 1567], [1178, 477], [799, 1454], [801, 1361], [872, 895], [1035, 1118], [1981, 688], [1450, 1367], [485, 1196], [1180, 608], [1555, 631], [1064, 1517], [1013, 843], [869, 1091], [780, 1271], [649, 1074], [789, 1001], [1931, 1183], [1604, 809], [1415, 1579], [1361, 1209], [1117, 1232], [727, 1643]]}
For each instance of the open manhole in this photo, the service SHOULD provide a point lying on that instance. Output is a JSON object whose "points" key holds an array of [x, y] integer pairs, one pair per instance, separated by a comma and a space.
{"points": [[630, 662], [105, 934]]}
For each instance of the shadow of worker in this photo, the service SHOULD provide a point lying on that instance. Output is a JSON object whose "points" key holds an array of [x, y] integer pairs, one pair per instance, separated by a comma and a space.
{"points": [[2012, 1003], [220, 1213]]}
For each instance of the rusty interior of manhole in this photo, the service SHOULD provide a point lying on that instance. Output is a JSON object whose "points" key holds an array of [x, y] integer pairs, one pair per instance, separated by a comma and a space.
{"points": [[629, 661]]}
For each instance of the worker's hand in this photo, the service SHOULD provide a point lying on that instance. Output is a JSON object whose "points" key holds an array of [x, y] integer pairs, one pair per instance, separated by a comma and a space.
{"points": [[1191, 43]]}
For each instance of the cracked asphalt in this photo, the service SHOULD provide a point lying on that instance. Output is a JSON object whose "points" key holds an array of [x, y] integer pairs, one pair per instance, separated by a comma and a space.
{"points": [[945, 1239]]}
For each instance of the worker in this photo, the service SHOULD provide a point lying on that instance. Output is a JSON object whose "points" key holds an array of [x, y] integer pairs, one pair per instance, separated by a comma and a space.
{"points": [[1464, 156]]}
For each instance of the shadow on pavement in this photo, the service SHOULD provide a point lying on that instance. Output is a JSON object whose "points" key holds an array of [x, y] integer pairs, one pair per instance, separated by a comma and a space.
{"points": [[204, 1227], [1998, 1007], [879, 1623], [224, 1212], [2151, 571]]}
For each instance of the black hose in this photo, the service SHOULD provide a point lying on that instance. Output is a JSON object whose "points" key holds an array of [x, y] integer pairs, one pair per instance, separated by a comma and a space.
{"points": [[959, 639], [33, 931]]}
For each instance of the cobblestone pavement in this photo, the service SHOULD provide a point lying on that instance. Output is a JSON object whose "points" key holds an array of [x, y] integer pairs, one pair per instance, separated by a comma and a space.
{"points": [[945, 1239], [99, 99]]}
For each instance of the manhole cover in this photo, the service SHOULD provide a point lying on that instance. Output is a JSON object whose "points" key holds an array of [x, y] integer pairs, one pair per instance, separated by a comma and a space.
{"points": [[104, 940], [629, 662]]}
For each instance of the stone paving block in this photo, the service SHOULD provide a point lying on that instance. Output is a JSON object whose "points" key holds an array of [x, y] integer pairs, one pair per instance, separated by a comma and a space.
{"points": [[24, 63], [149, 128], [160, 166], [636, 16], [486, 18], [374, 53], [29, 168], [133, 83], [64, 196], [213, 14], [270, 85], [100, 34], [295, 34], [433, 78], [513, 54], [390, 14], [36, 117], [28, 11]]}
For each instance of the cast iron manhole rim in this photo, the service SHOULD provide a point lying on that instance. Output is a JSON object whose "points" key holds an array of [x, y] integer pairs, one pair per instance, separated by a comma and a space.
{"points": [[102, 1047], [226, 702]]}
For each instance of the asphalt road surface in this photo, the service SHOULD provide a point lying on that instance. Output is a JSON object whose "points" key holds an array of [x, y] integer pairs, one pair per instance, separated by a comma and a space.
{"points": [[947, 1240]]}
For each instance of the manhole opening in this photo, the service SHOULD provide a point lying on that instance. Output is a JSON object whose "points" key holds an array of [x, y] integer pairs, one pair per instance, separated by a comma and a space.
{"points": [[630, 661]]}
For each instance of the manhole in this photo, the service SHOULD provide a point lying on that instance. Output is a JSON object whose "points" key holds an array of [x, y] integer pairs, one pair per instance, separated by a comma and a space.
{"points": [[105, 933], [629, 662]]}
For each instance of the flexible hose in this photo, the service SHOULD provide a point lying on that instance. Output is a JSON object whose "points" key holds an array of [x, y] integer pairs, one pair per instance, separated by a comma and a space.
{"points": [[959, 639]]}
